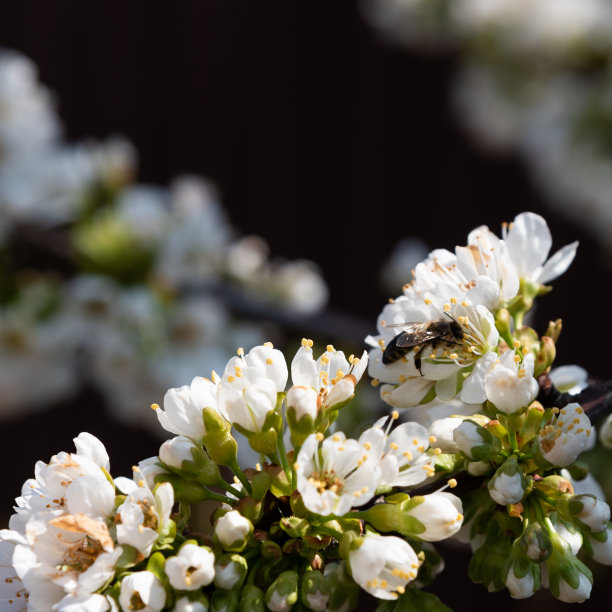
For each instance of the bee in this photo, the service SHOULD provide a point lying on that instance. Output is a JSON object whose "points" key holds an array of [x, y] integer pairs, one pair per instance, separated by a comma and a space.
{"points": [[417, 336]]}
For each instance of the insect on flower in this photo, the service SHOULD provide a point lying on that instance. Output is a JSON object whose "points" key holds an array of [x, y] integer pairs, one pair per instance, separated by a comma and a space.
{"points": [[419, 335]]}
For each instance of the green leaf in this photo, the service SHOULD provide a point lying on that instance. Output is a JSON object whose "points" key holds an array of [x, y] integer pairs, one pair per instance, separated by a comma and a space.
{"points": [[155, 565], [414, 600]]}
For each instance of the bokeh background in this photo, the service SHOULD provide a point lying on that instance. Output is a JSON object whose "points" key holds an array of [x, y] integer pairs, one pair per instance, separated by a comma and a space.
{"points": [[323, 134]]}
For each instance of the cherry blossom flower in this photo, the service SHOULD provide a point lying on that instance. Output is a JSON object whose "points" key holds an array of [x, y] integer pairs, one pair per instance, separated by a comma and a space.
{"points": [[336, 474], [383, 565]]}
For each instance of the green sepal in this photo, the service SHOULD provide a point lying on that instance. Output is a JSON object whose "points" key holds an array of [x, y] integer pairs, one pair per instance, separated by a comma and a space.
{"points": [[260, 484], [222, 448], [166, 536], [252, 599], [430, 396], [394, 517], [155, 565], [344, 591], [225, 601], [185, 491], [313, 582], [294, 527], [279, 482], [130, 556]]}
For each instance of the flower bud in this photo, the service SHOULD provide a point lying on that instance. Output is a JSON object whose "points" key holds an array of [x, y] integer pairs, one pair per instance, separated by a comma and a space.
{"points": [[523, 580], [443, 430], [314, 591], [252, 599], [233, 531], [601, 547], [193, 567], [344, 592], [176, 450], [182, 454], [545, 356], [230, 571], [569, 579], [225, 601], [439, 514], [302, 401], [475, 442], [535, 543], [592, 512], [508, 484], [283, 592]]}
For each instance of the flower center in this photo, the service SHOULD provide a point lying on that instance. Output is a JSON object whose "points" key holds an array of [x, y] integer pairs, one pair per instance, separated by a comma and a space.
{"points": [[82, 555], [326, 481]]}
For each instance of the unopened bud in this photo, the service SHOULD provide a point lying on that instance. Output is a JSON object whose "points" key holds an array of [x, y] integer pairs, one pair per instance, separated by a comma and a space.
{"points": [[233, 531], [475, 442], [314, 591], [283, 592], [508, 484], [230, 571]]}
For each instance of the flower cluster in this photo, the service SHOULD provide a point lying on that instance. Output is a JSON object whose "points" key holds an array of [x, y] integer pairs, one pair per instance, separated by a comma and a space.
{"points": [[151, 273], [323, 515]]}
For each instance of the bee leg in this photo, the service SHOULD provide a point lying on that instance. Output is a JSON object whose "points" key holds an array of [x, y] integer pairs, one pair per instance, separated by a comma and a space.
{"points": [[417, 360]]}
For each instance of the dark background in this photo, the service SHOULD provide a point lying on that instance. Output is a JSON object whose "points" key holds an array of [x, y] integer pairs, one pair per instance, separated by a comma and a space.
{"points": [[322, 138]]}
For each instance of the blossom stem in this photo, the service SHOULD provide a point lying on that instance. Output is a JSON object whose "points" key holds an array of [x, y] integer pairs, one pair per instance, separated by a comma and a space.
{"points": [[218, 497], [283, 457], [228, 487], [240, 475], [513, 440]]}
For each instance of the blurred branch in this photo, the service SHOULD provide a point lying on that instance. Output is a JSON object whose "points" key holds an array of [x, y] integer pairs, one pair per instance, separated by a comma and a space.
{"points": [[330, 324]]}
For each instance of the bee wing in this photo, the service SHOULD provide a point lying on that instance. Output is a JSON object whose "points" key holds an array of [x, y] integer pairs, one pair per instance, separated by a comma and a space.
{"points": [[417, 333]]}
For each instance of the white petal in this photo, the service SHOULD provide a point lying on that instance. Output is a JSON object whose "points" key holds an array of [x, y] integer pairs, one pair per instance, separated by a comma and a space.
{"points": [[557, 264]]}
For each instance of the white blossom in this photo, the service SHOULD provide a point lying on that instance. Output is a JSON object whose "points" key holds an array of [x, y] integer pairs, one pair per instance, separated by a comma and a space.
{"points": [[570, 379], [321, 384], [510, 384], [565, 436], [383, 565], [404, 461], [142, 591], [442, 364], [250, 385], [183, 407], [144, 515], [441, 514], [193, 568], [339, 473], [529, 240]]}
